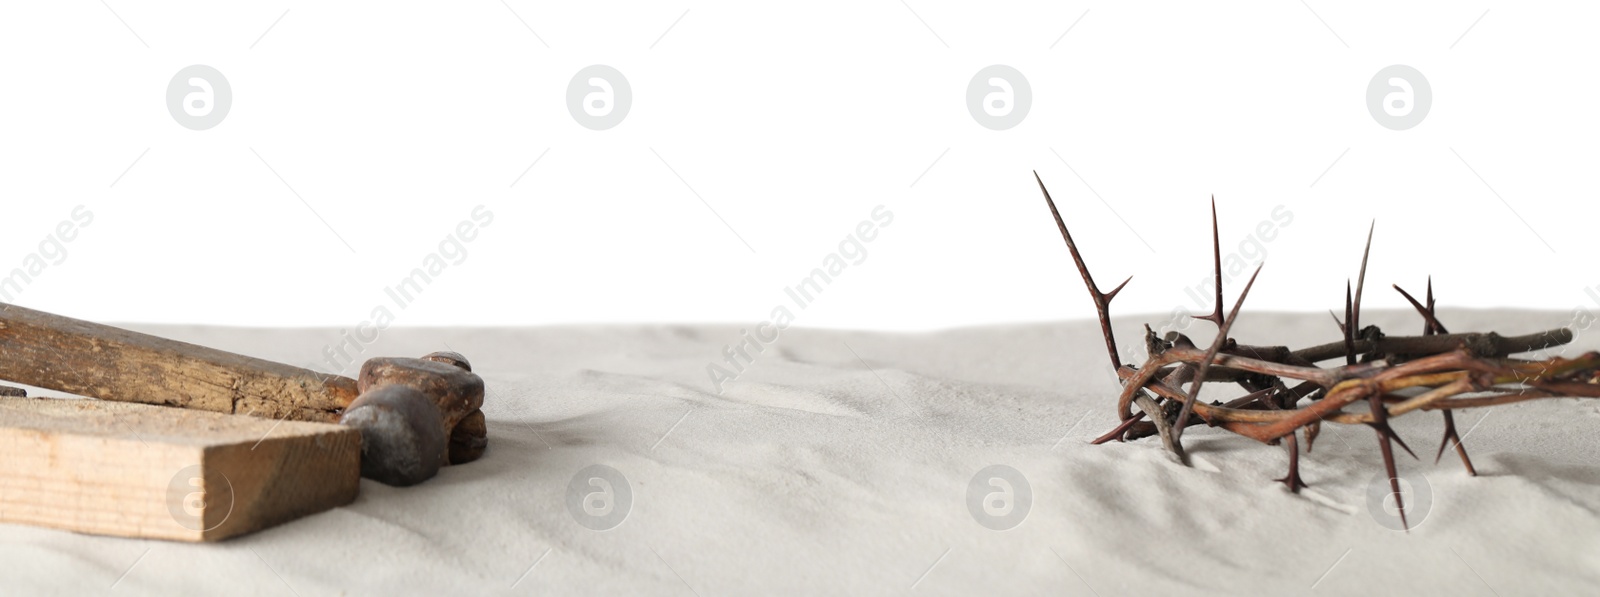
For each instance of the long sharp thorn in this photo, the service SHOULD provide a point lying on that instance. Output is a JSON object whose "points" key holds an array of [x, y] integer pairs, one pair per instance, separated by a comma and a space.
{"points": [[1450, 434], [1446, 443], [1438, 328], [1394, 486], [1355, 317], [1380, 424], [1211, 353], [1102, 302], [1216, 254], [1396, 437], [1429, 324], [1349, 328], [1292, 480], [1120, 430]]}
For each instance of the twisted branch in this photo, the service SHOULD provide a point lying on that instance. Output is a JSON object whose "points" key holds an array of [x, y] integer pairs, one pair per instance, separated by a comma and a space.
{"points": [[1438, 370]]}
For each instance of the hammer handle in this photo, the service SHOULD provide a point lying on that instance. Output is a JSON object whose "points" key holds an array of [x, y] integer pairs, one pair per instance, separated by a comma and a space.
{"points": [[99, 361]]}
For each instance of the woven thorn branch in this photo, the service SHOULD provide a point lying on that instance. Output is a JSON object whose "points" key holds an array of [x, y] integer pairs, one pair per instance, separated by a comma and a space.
{"points": [[1288, 391]]}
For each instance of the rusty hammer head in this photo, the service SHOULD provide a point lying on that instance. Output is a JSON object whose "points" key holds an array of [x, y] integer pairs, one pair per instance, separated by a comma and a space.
{"points": [[415, 415]]}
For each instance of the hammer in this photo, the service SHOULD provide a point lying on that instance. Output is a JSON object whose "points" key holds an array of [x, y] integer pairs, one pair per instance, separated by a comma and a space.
{"points": [[414, 414]]}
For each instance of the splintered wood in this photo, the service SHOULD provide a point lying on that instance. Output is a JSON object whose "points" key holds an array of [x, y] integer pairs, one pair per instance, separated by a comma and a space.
{"points": [[99, 361], [137, 470]]}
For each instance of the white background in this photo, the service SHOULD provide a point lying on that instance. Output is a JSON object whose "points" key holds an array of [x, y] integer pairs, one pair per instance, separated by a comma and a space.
{"points": [[393, 120]]}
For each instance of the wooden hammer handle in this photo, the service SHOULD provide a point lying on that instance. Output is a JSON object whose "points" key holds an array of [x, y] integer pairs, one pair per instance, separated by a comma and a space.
{"points": [[99, 361]]}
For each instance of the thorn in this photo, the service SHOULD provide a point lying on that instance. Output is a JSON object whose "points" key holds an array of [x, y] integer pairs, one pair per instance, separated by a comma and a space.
{"points": [[1386, 435], [1120, 430], [1102, 301], [1449, 425], [1355, 317], [1349, 328], [1394, 489], [1430, 325], [1211, 353], [1263, 395], [1216, 253], [1292, 480], [1450, 434], [1396, 438], [1114, 291], [1437, 327]]}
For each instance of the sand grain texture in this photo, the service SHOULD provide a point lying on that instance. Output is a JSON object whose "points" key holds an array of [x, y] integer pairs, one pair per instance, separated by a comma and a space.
{"points": [[818, 472]]}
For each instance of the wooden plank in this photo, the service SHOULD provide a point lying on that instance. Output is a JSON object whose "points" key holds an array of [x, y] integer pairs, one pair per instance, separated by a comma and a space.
{"points": [[109, 363], [137, 470]]}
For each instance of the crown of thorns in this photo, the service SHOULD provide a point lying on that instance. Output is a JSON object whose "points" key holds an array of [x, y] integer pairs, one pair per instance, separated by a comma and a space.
{"points": [[1289, 390]]}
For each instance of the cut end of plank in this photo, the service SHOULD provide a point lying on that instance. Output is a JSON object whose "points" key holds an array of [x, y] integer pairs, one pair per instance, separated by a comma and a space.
{"points": [[136, 470]]}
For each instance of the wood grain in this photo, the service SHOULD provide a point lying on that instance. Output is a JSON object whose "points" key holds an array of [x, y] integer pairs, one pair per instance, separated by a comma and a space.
{"points": [[100, 361], [137, 470]]}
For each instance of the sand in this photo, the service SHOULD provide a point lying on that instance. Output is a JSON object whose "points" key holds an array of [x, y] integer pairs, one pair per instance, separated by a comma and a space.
{"points": [[840, 463]]}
